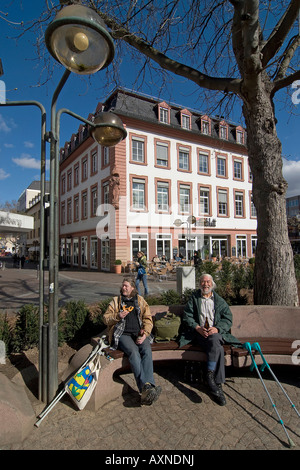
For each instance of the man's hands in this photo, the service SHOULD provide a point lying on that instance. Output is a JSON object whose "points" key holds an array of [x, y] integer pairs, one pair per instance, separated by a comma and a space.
{"points": [[123, 313], [205, 332]]}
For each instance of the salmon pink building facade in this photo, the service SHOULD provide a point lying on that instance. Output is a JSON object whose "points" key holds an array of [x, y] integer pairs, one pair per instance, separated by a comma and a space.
{"points": [[179, 182]]}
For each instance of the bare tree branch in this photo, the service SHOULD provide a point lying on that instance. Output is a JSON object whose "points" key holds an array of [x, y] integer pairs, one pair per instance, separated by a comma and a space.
{"points": [[287, 57], [201, 79], [280, 32]]}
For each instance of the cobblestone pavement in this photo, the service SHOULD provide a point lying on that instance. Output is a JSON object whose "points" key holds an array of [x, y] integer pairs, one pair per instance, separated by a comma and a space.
{"points": [[184, 418]]}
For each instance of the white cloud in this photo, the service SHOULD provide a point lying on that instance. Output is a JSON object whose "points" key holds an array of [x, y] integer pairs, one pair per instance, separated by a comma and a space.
{"points": [[3, 174], [9, 146], [291, 172], [3, 126], [26, 161], [28, 144]]}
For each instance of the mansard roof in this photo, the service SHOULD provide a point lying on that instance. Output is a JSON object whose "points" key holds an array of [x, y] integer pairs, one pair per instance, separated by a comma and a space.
{"points": [[143, 107]]}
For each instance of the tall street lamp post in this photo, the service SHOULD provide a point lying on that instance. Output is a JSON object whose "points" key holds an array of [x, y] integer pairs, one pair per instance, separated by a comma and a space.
{"points": [[78, 39]]}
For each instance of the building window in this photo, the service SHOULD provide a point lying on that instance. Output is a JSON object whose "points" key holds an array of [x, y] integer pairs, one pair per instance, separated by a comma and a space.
{"points": [[185, 117], [75, 251], [69, 180], [204, 201], [253, 244], [76, 208], [183, 159], [241, 246], [253, 213], [94, 252], [69, 211], [84, 169], [223, 131], [139, 242], [138, 151], [68, 251], [162, 154], [184, 198], [106, 193], [203, 163], [63, 184], [205, 127], [76, 174], [138, 194], [221, 166], [240, 135], [63, 213], [94, 200], [94, 162], [84, 249], [162, 196], [237, 170], [239, 204], [186, 121], [163, 245], [164, 115], [84, 205], [222, 202]]}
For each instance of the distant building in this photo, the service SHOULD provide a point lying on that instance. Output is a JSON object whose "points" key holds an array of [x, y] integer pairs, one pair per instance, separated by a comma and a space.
{"points": [[293, 206], [29, 193], [179, 182], [29, 202]]}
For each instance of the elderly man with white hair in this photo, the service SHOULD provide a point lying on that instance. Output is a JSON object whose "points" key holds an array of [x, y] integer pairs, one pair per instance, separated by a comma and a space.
{"points": [[206, 321]]}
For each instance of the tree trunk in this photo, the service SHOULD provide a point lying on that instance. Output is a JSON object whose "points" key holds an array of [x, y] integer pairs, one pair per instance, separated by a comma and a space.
{"points": [[269, 189]]}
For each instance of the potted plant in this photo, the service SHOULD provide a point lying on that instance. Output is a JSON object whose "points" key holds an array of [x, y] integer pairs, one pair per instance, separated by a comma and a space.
{"points": [[118, 266]]}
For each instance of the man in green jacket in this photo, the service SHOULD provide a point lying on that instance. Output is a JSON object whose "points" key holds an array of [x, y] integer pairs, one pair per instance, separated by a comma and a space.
{"points": [[207, 320]]}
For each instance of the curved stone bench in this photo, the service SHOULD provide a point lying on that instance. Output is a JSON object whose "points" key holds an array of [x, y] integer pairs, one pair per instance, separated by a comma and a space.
{"points": [[274, 328]]}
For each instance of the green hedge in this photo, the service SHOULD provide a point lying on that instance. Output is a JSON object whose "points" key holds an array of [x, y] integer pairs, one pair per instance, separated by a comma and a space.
{"points": [[76, 324]]}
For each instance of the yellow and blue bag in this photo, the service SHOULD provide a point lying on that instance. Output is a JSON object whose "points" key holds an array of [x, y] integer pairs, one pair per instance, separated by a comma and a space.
{"points": [[81, 386]]}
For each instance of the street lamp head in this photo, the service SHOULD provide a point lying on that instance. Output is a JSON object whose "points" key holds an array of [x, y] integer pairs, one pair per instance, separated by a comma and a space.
{"points": [[108, 129], [178, 222], [78, 39], [191, 219]]}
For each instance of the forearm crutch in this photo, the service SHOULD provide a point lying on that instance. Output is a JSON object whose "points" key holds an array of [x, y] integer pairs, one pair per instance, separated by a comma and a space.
{"points": [[254, 366], [256, 347]]}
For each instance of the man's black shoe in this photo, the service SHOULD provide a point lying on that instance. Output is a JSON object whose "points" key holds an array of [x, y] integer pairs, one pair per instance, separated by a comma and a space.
{"points": [[150, 394], [219, 396]]}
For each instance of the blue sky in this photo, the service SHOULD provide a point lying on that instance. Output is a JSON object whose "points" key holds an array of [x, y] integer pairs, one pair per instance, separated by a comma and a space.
{"points": [[20, 126]]}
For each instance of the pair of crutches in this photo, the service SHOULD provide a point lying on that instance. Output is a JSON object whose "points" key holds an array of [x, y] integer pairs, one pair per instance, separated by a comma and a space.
{"points": [[97, 350], [256, 347]]}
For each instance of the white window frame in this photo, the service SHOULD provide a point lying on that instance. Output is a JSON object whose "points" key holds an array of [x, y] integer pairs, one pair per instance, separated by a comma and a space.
{"points": [[138, 194], [138, 150]]}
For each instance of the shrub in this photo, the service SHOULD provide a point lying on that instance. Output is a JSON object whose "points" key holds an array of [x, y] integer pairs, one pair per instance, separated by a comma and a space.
{"points": [[26, 332], [75, 320], [5, 332], [170, 297]]}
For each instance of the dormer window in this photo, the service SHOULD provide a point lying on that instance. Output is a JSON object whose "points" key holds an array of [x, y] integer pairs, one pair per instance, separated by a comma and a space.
{"points": [[205, 125], [240, 135], [185, 119], [164, 113], [223, 130]]}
